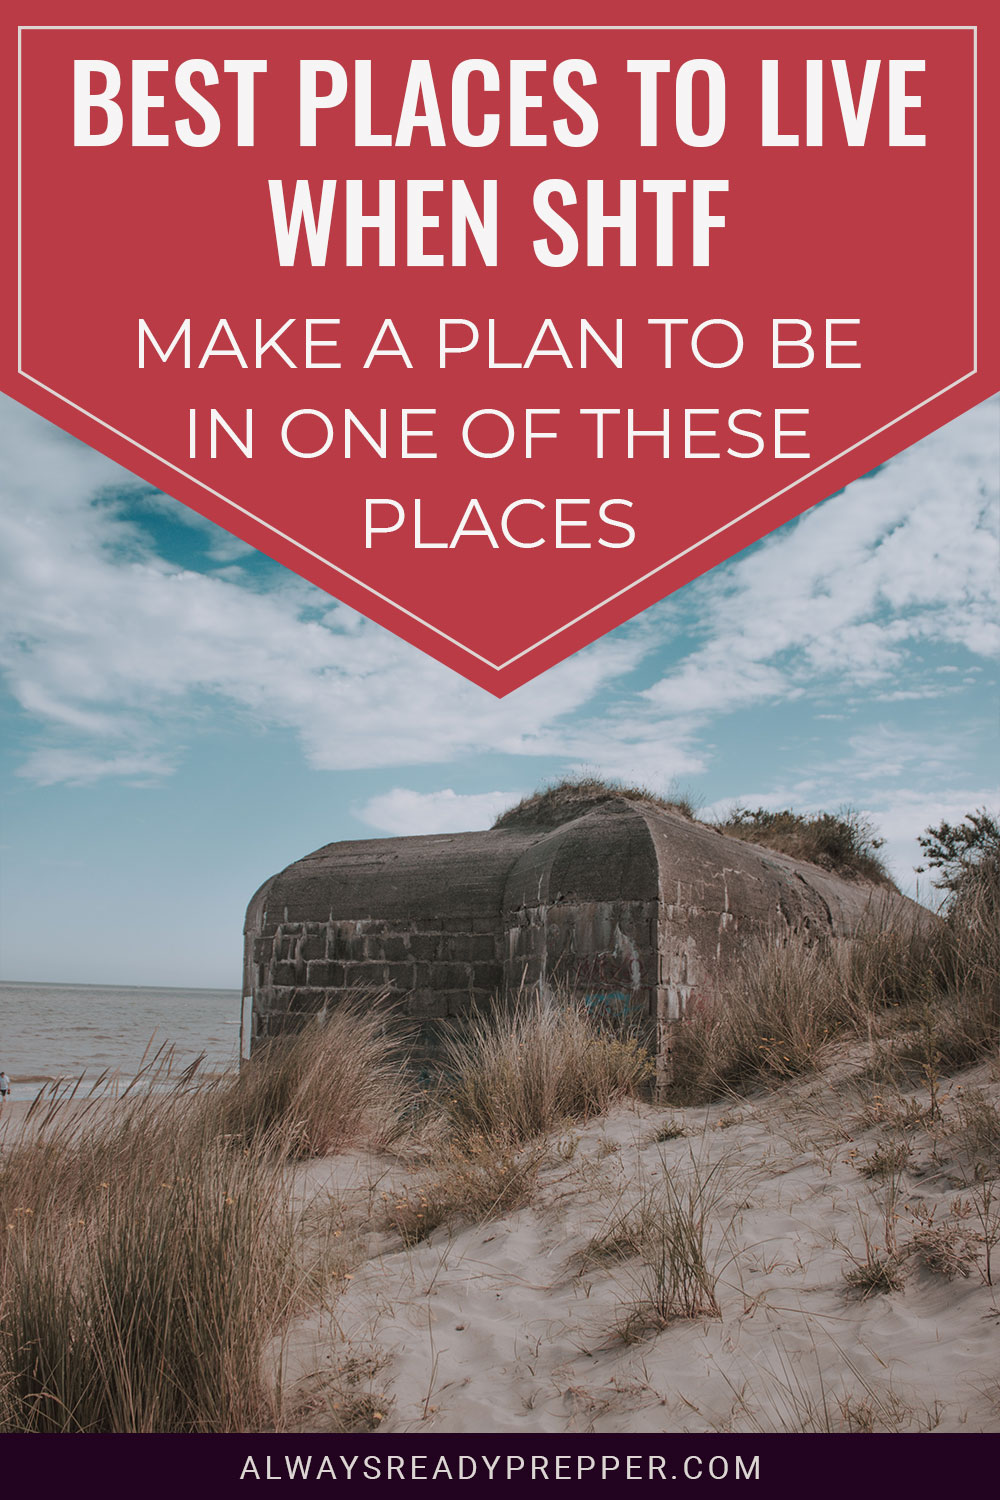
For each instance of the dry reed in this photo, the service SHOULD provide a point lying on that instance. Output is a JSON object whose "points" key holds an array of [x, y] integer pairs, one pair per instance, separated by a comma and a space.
{"points": [[341, 1077], [144, 1264], [520, 1071]]}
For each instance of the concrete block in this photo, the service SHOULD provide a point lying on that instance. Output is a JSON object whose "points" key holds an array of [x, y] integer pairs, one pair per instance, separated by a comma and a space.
{"points": [[364, 976], [426, 1004], [400, 975], [307, 1000], [326, 975], [425, 947], [471, 947], [448, 976]]}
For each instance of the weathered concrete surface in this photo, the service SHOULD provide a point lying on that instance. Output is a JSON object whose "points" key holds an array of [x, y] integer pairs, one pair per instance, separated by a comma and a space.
{"points": [[626, 903], [420, 915]]}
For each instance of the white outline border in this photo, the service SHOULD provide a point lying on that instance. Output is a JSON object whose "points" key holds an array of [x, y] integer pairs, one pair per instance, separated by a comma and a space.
{"points": [[366, 587]]}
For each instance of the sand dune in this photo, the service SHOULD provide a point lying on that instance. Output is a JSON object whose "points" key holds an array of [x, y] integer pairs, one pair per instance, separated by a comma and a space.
{"points": [[509, 1325]]}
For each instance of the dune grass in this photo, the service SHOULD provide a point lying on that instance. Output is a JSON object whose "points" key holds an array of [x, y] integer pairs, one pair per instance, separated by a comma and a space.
{"points": [[521, 1070], [150, 1244], [144, 1264], [926, 991], [518, 1073], [769, 1021], [471, 1180], [339, 1078], [662, 1241], [560, 801]]}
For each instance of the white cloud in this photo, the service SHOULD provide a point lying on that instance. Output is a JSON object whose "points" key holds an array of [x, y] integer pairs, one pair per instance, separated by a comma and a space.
{"points": [[105, 639], [78, 768], [901, 781], [114, 653], [403, 811], [901, 815], [907, 556]]}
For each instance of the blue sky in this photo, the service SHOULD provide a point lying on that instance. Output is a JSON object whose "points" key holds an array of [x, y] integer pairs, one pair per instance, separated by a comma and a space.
{"points": [[183, 716]]}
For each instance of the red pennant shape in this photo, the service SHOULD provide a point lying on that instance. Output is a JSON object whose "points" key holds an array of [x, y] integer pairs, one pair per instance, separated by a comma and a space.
{"points": [[569, 315]]}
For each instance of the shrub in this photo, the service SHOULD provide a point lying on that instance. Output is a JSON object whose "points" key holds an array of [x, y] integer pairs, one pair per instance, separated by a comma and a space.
{"points": [[844, 842], [959, 850]]}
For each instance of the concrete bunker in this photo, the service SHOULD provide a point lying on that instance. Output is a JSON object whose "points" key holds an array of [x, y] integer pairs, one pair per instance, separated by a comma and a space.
{"points": [[624, 902]]}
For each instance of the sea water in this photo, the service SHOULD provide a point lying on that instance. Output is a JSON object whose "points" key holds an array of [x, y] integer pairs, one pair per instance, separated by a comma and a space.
{"points": [[50, 1031]]}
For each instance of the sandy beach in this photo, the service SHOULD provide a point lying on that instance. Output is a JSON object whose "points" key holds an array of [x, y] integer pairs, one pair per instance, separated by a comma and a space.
{"points": [[514, 1325], [816, 1253]]}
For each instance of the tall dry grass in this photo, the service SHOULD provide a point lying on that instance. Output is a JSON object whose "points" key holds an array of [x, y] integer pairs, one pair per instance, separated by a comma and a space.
{"points": [[518, 1073], [971, 966], [522, 1070], [932, 984], [669, 1246], [769, 1021], [341, 1078], [471, 1179], [144, 1264], [148, 1242]]}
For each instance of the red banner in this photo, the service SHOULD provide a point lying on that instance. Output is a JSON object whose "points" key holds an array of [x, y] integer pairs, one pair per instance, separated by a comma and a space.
{"points": [[501, 333]]}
